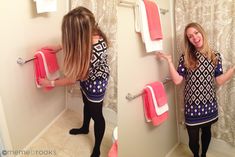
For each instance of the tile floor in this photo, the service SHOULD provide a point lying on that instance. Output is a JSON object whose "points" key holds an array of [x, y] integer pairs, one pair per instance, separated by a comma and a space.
{"points": [[183, 151], [56, 141]]}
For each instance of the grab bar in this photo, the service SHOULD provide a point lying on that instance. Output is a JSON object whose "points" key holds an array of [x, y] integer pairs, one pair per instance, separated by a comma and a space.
{"points": [[130, 97]]}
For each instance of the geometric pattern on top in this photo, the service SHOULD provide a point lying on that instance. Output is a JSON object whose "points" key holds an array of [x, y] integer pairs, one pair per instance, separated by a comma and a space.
{"points": [[95, 86], [200, 94], [99, 66]]}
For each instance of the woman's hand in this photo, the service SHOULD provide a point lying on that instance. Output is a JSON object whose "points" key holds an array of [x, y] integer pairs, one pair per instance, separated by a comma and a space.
{"points": [[165, 56], [44, 82], [177, 79]]}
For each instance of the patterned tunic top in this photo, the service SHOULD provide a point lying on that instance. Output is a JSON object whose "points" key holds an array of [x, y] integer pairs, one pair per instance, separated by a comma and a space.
{"points": [[95, 86], [200, 95]]}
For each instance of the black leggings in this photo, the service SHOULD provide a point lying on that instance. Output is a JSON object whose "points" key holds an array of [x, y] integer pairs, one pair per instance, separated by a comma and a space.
{"points": [[193, 133], [94, 110]]}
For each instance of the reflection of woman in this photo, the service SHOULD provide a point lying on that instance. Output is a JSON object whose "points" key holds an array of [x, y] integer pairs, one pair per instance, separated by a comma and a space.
{"points": [[201, 68], [85, 45]]}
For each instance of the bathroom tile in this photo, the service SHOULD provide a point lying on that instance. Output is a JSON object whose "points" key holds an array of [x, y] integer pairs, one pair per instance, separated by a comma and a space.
{"points": [[57, 139], [56, 136], [183, 151], [42, 148], [80, 142], [74, 153], [43, 144], [69, 119]]}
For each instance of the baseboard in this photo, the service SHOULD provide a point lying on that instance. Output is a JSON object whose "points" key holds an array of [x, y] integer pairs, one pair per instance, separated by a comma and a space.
{"points": [[172, 150], [43, 131]]}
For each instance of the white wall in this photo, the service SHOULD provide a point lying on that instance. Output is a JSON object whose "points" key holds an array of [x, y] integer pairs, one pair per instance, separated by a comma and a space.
{"points": [[5, 141], [135, 69], [28, 110]]}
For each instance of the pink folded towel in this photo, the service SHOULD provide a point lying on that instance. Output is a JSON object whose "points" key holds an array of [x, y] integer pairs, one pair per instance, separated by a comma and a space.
{"points": [[159, 92], [154, 20], [51, 60], [153, 112], [159, 119], [113, 152], [45, 66]]}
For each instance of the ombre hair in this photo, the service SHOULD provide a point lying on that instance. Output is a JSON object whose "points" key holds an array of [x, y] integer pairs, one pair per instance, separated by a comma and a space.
{"points": [[78, 28], [190, 50]]}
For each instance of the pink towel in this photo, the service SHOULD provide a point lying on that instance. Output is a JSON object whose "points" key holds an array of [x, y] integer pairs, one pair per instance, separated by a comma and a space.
{"points": [[159, 119], [153, 99], [113, 152], [141, 25], [160, 93], [51, 60], [154, 22], [153, 113], [45, 66]]}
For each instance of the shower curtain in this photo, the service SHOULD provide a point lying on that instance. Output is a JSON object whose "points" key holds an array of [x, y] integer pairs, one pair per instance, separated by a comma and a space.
{"points": [[106, 15], [218, 19]]}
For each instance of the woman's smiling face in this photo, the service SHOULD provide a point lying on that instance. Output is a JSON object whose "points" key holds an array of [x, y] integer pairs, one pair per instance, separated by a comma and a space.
{"points": [[195, 37]]}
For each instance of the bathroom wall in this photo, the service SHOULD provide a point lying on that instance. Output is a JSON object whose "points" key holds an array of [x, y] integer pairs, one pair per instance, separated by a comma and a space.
{"points": [[28, 110], [135, 69], [5, 143], [2, 147]]}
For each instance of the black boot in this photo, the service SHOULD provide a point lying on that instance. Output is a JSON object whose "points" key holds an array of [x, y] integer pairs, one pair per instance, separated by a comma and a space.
{"points": [[76, 131]]}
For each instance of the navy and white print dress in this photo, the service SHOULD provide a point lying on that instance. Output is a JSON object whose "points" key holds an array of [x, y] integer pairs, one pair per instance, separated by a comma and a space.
{"points": [[200, 95], [95, 86]]}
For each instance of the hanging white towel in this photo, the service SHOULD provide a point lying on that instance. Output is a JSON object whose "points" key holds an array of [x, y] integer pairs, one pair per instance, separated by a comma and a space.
{"points": [[141, 26], [46, 5]]}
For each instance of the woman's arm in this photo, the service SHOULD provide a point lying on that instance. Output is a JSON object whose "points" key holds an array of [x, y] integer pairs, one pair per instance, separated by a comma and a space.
{"points": [[60, 82], [221, 79], [177, 79]]}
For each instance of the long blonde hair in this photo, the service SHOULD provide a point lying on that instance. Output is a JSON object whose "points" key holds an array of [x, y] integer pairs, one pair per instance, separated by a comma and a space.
{"points": [[78, 28], [190, 51]]}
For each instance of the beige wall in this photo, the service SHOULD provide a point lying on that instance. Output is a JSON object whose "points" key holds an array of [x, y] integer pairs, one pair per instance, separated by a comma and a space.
{"points": [[4, 133], [28, 110], [135, 69]]}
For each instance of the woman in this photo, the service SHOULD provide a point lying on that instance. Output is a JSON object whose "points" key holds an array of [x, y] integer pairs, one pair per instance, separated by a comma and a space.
{"points": [[85, 60], [201, 67]]}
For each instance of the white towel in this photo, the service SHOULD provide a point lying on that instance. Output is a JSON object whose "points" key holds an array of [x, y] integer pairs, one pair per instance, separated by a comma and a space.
{"points": [[141, 26], [46, 5]]}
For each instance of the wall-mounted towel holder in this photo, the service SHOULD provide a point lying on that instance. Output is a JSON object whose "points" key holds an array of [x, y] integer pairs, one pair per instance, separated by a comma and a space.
{"points": [[131, 97], [132, 4], [22, 61]]}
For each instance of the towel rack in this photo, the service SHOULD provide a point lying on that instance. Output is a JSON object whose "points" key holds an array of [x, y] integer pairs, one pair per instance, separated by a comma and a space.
{"points": [[132, 4], [21, 61], [131, 97]]}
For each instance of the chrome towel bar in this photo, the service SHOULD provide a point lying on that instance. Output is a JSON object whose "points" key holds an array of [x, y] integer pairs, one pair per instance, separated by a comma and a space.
{"points": [[21, 61], [132, 4], [131, 97]]}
